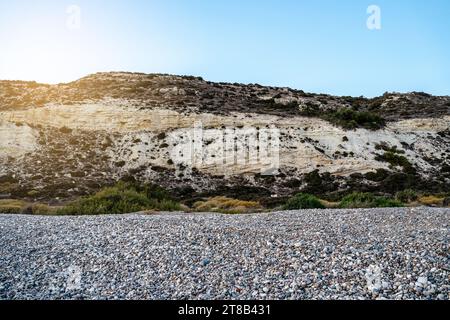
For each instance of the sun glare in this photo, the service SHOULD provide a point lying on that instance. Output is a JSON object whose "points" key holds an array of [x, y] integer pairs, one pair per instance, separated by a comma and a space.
{"points": [[49, 51]]}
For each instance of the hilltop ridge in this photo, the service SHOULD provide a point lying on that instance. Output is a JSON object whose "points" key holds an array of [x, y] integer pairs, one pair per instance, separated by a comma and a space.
{"points": [[193, 94]]}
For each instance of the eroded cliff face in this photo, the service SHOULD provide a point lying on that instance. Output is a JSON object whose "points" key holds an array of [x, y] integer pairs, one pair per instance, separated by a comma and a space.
{"points": [[74, 140]]}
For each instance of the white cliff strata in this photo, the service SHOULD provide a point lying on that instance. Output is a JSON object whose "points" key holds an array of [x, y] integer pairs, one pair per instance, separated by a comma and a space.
{"points": [[306, 143]]}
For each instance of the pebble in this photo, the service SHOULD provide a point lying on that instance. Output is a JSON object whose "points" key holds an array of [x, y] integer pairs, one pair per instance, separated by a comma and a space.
{"points": [[310, 254]]}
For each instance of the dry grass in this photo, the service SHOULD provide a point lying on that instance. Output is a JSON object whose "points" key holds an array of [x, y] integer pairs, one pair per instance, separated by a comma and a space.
{"points": [[11, 206], [431, 200], [329, 204], [227, 205], [43, 209]]}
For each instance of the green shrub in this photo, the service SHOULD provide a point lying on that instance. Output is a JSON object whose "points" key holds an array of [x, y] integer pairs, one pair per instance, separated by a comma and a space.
{"points": [[310, 110], [120, 199], [154, 192], [377, 176], [396, 161], [351, 119], [303, 201], [367, 200], [406, 196], [168, 205], [385, 147], [399, 181]]}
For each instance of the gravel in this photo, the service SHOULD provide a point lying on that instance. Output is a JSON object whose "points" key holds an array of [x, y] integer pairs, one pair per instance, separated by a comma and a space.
{"points": [[312, 254]]}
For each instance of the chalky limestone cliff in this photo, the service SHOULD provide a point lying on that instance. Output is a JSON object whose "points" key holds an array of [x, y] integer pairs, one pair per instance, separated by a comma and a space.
{"points": [[63, 141]]}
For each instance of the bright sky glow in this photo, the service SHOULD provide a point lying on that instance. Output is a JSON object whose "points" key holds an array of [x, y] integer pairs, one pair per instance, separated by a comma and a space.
{"points": [[318, 46]]}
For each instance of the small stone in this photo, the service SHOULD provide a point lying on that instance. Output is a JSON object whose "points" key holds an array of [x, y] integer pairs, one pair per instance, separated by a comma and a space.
{"points": [[205, 262], [328, 250], [421, 282], [150, 257]]}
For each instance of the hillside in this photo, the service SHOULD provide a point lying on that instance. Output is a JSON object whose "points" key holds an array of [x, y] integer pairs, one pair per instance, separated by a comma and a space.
{"points": [[63, 141]]}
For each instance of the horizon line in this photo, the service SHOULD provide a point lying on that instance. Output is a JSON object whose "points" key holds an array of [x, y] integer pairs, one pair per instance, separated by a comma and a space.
{"points": [[202, 78]]}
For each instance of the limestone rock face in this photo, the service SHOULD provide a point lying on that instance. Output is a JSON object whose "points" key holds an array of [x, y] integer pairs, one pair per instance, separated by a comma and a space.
{"points": [[182, 132], [16, 140]]}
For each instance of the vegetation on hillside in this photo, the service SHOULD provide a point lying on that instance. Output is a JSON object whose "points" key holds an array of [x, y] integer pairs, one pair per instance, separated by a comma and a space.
{"points": [[227, 205], [303, 201], [130, 197], [13, 206], [406, 196], [368, 200], [122, 198], [351, 119], [396, 160]]}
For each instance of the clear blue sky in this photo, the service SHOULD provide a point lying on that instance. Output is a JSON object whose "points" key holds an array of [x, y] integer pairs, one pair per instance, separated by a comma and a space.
{"points": [[317, 45]]}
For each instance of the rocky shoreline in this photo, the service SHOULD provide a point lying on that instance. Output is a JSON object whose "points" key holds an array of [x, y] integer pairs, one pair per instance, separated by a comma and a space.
{"points": [[397, 253]]}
